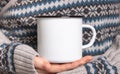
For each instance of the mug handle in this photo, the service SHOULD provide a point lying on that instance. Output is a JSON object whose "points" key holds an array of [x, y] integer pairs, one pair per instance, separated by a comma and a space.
{"points": [[93, 38]]}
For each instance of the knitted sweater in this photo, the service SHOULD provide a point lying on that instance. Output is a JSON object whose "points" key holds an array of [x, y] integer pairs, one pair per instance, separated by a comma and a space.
{"points": [[18, 24]]}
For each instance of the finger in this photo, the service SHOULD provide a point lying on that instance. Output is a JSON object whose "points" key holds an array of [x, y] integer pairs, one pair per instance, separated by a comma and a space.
{"points": [[84, 60], [58, 68]]}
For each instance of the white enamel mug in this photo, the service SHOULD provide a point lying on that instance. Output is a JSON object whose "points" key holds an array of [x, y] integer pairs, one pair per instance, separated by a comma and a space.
{"points": [[60, 38]]}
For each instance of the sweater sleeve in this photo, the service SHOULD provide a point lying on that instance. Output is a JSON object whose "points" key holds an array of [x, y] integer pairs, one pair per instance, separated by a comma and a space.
{"points": [[23, 59], [4, 43], [16, 57], [108, 63]]}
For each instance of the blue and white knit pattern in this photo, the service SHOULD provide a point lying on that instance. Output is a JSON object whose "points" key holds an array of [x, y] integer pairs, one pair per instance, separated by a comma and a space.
{"points": [[101, 66], [41, 7], [6, 57], [10, 54], [3, 62], [102, 14], [20, 20]]}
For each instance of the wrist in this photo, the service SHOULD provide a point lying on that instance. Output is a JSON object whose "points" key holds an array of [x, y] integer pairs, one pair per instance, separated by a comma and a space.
{"points": [[38, 62], [35, 61]]}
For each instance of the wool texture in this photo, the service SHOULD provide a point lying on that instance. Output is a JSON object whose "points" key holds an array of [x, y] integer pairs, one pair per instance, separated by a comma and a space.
{"points": [[19, 24]]}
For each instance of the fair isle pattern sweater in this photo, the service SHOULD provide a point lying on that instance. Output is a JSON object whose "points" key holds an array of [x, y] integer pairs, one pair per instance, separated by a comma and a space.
{"points": [[19, 25]]}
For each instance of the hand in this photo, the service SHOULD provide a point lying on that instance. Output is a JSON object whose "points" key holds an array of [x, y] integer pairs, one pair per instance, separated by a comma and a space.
{"points": [[45, 67]]}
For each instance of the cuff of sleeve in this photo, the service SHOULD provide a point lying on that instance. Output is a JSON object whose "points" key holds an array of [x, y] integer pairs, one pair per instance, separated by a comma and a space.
{"points": [[24, 59]]}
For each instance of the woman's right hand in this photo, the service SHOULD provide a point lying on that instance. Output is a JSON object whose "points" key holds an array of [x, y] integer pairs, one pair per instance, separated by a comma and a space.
{"points": [[44, 67]]}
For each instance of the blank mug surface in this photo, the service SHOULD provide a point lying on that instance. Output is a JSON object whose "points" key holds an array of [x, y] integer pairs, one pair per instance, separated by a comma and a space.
{"points": [[60, 39]]}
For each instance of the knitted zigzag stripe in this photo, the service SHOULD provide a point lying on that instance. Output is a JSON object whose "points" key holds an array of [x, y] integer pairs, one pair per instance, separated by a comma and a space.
{"points": [[41, 7]]}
